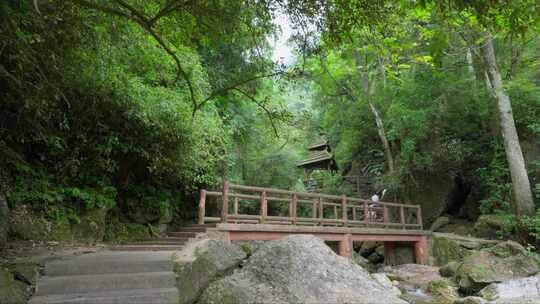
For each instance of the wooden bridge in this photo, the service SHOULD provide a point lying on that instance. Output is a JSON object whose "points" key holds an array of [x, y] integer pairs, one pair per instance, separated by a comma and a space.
{"points": [[255, 213]]}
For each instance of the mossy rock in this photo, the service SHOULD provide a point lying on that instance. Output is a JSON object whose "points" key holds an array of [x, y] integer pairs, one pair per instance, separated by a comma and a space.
{"points": [[11, 290], [25, 270], [443, 291], [91, 228], [445, 250], [198, 264], [28, 225], [363, 262], [61, 232], [491, 226], [450, 269], [439, 223], [118, 232], [500, 263]]}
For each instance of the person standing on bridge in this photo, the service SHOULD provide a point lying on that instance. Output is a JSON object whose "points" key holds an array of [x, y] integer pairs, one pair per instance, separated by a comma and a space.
{"points": [[376, 198]]}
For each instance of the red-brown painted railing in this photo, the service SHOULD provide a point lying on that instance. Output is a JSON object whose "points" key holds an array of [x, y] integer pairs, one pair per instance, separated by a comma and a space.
{"points": [[355, 212]]}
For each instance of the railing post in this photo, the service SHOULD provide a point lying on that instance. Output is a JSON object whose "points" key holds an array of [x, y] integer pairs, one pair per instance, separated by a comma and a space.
{"points": [[264, 207], [225, 207], [314, 210], [235, 204], [353, 212], [321, 211], [344, 214], [419, 214], [385, 215], [202, 206], [402, 216], [292, 208], [366, 213]]}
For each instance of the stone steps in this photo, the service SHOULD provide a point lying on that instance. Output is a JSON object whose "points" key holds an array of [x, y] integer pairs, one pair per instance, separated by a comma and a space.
{"points": [[183, 234], [100, 282], [109, 277], [104, 264], [172, 241], [136, 273], [147, 247], [125, 296]]}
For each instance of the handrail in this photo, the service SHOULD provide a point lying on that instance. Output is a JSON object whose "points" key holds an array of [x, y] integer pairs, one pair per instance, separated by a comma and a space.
{"points": [[369, 212]]}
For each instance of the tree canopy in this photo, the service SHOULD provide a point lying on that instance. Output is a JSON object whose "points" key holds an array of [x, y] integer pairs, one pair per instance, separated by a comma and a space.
{"points": [[133, 106]]}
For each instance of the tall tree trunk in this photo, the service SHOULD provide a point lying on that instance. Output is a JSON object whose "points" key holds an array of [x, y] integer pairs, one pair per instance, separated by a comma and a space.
{"points": [[523, 199], [470, 66], [364, 77]]}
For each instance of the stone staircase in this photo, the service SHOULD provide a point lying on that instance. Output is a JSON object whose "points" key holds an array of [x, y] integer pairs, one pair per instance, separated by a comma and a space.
{"points": [[109, 277], [137, 273], [172, 241]]}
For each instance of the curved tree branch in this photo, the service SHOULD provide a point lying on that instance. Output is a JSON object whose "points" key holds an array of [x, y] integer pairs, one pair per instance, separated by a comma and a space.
{"points": [[131, 13], [261, 105], [233, 86]]}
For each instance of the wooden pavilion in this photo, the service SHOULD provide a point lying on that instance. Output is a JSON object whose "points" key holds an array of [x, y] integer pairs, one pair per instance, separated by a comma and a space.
{"points": [[320, 157]]}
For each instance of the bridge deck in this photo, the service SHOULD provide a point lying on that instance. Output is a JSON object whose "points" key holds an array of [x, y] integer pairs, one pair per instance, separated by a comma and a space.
{"points": [[343, 235], [329, 217]]}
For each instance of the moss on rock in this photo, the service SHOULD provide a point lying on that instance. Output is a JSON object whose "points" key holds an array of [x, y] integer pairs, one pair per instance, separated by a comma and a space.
{"points": [[91, 228], [445, 250], [500, 263], [25, 270], [61, 231], [198, 264], [492, 226], [443, 291], [28, 225], [118, 232], [11, 290]]}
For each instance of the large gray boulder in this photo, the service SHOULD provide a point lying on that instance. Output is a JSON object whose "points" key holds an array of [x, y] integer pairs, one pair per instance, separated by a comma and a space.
{"points": [[201, 262], [298, 269], [513, 290], [503, 262]]}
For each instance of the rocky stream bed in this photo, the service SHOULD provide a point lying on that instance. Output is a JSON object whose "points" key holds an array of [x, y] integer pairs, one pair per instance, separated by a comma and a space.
{"points": [[303, 269]]}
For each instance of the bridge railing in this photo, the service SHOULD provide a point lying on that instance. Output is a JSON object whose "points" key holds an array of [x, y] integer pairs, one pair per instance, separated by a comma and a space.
{"points": [[257, 205]]}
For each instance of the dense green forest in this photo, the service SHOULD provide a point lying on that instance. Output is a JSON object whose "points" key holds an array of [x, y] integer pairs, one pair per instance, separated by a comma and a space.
{"points": [[115, 113]]}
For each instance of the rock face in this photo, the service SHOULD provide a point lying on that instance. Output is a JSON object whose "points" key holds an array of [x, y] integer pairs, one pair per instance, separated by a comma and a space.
{"points": [[26, 225], [413, 274], [502, 262], [490, 226], [448, 247], [91, 228], [439, 223], [471, 300], [202, 262], [298, 269], [363, 262], [450, 269], [512, 290], [368, 247]]}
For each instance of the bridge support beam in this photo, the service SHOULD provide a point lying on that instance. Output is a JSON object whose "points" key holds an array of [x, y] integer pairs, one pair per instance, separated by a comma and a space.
{"points": [[345, 246], [421, 250]]}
